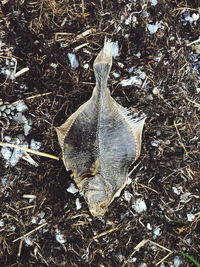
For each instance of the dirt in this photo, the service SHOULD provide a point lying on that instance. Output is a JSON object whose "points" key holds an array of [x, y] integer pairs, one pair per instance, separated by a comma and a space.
{"points": [[49, 230]]}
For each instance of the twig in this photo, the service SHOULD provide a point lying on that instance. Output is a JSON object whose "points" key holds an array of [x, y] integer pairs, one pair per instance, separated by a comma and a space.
{"points": [[29, 196], [20, 247], [29, 233], [30, 97], [145, 186], [194, 42], [42, 154], [105, 233], [22, 71]]}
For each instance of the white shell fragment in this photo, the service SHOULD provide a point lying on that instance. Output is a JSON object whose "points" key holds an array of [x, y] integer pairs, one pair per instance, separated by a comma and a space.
{"points": [[152, 28], [101, 139], [60, 237], [73, 60], [72, 189], [133, 80], [177, 261], [190, 217], [115, 49], [139, 206], [78, 204]]}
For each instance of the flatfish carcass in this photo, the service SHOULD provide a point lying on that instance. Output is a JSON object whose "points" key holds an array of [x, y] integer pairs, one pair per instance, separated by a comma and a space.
{"points": [[100, 141]]}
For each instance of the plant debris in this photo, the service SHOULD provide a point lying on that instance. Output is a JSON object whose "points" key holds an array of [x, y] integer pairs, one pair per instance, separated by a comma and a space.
{"points": [[44, 220]]}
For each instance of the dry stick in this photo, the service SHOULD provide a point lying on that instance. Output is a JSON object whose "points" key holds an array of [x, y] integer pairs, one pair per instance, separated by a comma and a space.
{"points": [[30, 97], [145, 186], [145, 241], [194, 42], [42, 154], [20, 247], [29, 233], [105, 233]]}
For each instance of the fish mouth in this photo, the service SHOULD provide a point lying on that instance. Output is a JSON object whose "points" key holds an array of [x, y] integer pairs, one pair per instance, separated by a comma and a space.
{"points": [[98, 194]]}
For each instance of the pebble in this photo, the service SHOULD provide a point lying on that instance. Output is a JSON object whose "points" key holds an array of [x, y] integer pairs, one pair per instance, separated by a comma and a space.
{"points": [[72, 189], [128, 196], [6, 153], [190, 217], [60, 237], [157, 232], [73, 60], [7, 111], [78, 204], [27, 129], [3, 107], [28, 241], [153, 2], [21, 106], [149, 227], [35, 145], [115, 49], [177, 261], [139, 206], [116, 75], [2, 223], [152, 28], [41, 214], [143, 264], [86, 66], [134, 80]]}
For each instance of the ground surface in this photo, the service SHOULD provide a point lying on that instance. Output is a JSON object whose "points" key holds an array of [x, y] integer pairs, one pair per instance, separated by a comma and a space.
{"points": [[153, 47]]}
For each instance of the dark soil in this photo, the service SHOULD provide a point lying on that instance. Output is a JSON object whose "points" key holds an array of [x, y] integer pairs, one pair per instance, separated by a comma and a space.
{"points": [[170, 157]]}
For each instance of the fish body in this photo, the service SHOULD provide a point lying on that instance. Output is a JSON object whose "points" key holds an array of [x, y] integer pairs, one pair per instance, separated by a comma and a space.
{"points": [[100, 141]]}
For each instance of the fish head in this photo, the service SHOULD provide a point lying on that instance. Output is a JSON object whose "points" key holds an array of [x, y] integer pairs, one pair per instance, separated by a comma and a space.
{"points": [[98, 193]]}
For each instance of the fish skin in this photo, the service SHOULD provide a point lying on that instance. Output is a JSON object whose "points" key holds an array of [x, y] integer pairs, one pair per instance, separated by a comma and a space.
{"points": [[100, 141]]}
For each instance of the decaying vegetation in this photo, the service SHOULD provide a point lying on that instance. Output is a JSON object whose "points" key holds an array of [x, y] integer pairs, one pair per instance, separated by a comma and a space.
{"points": [[43, 224]]}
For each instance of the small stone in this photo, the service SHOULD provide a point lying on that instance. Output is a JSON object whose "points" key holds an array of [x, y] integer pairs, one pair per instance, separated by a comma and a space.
{"points": [[21, 106], [35, 145], [86, 66], [73, 60], [153, 2], [127, 196], [155, 91], [158, 133], [28, 241], [195, 17], [190, 217], [41, 214], [139, 206], [72, 189], [7, 111], [134, 80], [6, 153], [149, 227], [149, 97], [27, 129], [60, 237], [152, 28], [156, 232], [2, 223], [115, 49], [116, 75], [177, 261], [143, 264], [34, 220], [78, 204], [3, 107]]}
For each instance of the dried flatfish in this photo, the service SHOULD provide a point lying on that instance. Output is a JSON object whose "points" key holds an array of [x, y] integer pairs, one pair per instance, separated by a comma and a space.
{"points": [[100, 141]]}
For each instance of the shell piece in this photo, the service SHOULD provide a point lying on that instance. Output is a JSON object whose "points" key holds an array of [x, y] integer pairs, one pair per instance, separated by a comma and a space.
{"points": [[100, 141]]}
